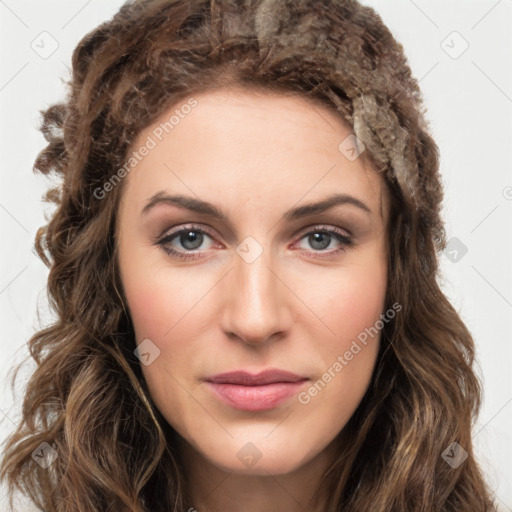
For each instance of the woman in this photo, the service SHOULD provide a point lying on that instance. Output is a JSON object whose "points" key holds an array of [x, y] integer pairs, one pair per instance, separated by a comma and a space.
{"points": [[243, 265]]}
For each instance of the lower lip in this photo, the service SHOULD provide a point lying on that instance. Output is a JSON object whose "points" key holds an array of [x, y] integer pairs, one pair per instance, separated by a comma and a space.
{"points": [[255, 398]]}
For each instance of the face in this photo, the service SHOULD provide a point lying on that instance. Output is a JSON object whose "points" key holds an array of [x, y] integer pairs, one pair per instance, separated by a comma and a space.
{"points": [[227, 266]]}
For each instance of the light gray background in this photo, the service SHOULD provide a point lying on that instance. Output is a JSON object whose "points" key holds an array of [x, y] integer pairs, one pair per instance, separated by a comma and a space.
{"points": [[469, 100]]}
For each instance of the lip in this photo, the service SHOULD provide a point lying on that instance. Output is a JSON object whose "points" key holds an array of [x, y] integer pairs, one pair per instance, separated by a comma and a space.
{"points": [[255, 392], [244, 378]]}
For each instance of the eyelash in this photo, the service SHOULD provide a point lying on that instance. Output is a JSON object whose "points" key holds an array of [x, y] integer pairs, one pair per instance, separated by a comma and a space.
{"points": [[345, 241]]}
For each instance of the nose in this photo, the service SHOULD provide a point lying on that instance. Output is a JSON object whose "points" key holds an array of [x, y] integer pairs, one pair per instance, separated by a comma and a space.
{"points": [[257, 302]]}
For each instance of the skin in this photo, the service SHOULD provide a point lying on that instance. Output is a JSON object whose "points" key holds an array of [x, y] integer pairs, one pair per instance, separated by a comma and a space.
{"points": [[255, 156]]}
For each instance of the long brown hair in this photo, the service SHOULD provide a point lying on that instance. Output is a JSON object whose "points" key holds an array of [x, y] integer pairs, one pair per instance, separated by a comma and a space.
{"points": [[87, 398]]}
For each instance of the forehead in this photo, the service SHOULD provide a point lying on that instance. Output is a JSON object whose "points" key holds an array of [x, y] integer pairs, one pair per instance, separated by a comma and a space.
{"points": [[242, 141]]}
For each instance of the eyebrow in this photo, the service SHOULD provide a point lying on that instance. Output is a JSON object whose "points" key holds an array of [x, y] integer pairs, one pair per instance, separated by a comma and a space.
{"points": [[206, 208]]}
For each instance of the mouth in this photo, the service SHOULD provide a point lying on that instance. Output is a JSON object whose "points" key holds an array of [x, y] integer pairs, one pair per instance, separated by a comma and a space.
{"points": [[248, 392]]}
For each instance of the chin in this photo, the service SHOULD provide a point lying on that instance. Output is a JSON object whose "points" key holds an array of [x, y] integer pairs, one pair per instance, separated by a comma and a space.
{"points": [[276, 463], [258, 453]]}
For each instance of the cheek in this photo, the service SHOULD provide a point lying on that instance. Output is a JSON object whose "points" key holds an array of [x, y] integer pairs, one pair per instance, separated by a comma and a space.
{"points": [[169, 309], [163, 312], [157, 299], [348, 302], [151, 309], [351, 308]]}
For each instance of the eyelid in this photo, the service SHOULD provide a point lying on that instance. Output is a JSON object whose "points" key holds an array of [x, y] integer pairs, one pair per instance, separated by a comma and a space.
{"points": [[324, 227], [168, 232]]}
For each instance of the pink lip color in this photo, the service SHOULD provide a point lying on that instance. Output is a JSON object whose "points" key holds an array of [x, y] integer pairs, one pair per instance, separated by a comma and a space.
{"points": [[260, 392]]}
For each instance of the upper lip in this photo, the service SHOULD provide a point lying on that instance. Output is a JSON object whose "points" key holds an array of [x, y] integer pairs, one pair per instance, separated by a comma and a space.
{"points": [[247, 379]]}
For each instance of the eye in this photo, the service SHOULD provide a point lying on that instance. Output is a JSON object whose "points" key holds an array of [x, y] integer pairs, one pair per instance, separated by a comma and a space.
{"points": [[321, 238], [179, 243]]}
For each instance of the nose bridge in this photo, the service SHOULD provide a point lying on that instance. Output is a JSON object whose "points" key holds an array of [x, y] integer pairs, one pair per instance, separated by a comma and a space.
{"points": [[256, 308]]}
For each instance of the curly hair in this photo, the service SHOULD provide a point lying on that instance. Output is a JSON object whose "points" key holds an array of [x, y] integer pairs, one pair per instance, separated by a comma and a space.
{"points": [[87, 397]]}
